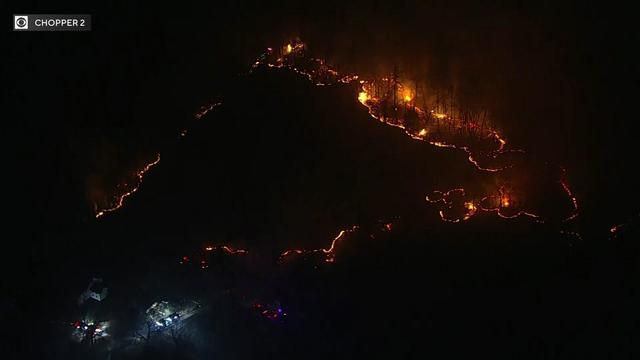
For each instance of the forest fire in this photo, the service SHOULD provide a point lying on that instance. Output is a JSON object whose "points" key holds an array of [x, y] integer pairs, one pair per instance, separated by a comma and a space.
{"points": [[204, 109], [227, 249], [499, 203], [484, 146], [451, 132], [452, 128], [203, 264], [407, 96], [616, 229], [329, 253], [306, 180], [505, 201], [231, 250], [120, 199], [363, 97], [574, 201]]}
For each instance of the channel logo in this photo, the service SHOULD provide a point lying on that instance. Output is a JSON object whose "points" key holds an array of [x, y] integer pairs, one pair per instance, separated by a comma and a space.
{"points": [[52, 22], [20, 22]]}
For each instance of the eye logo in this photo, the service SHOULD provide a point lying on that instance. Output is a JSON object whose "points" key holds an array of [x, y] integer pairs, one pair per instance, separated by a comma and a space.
{"points": [[20, 22]]}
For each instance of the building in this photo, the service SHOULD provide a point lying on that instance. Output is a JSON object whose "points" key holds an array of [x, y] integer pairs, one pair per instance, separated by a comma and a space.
{"points": [[96, 290]]}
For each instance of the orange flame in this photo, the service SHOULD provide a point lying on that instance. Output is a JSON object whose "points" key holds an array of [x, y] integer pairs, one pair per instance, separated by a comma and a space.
{"points": [[121, 198]]}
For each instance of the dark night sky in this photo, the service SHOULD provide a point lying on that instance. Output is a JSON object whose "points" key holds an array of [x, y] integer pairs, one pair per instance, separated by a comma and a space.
{"points": [[560, 78]]}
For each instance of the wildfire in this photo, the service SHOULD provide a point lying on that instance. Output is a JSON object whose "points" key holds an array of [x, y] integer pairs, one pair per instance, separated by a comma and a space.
{"points": [[614, 230], [574, 201], [120, 199], [233, 251], [203, 264], [504, 201], [228, 249], [440, 134], [363, 97], [291, 252], [329, 253], [491, 203], [407, 97], [204, 109], [322, 74]]}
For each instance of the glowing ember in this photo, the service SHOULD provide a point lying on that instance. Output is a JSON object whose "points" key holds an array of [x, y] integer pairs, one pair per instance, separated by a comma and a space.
{"points": [[204, 109], [574, 201], [231, 250], [616, 229], [291, 252]]}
